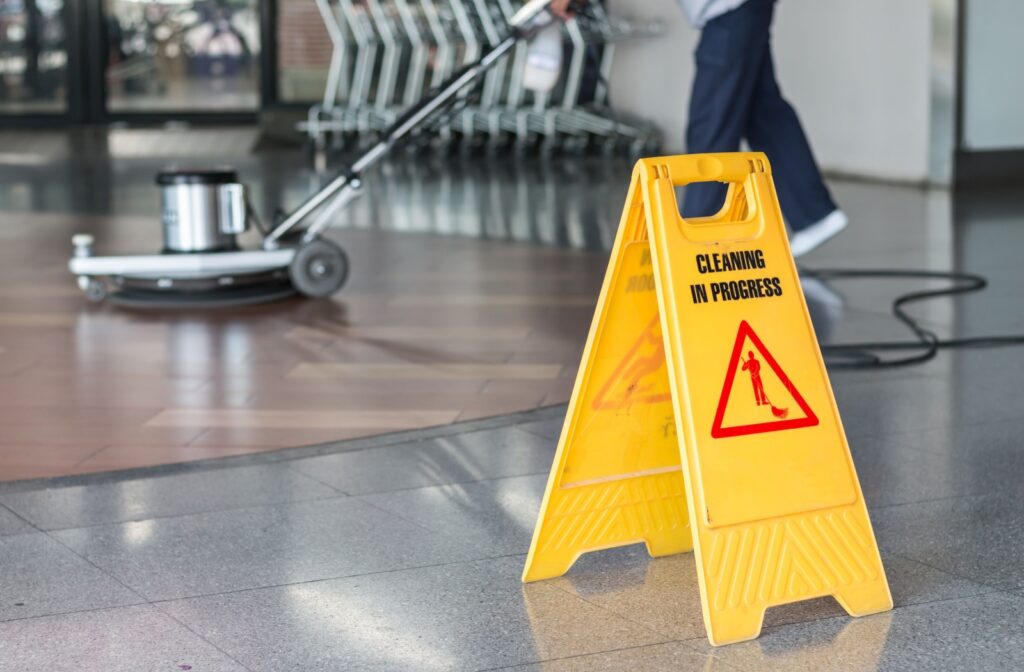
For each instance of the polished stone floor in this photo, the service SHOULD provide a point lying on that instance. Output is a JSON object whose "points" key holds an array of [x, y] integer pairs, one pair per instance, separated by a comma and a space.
{"points": [[403, 551]]}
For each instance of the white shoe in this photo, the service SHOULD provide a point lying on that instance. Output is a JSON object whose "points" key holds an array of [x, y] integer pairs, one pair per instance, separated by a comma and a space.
{"points": [[805, 240]]}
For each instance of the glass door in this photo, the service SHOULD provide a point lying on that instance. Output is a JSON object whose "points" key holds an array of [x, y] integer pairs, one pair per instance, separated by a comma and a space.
{"points": [[101, 61], [33, 57], [181, 56]]}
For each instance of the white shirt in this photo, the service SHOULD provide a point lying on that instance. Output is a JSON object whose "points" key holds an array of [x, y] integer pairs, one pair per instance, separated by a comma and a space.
{"points": [[699, 12]]}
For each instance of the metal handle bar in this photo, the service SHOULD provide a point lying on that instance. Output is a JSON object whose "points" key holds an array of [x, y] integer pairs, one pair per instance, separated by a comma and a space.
{"points": [[526, 22]]}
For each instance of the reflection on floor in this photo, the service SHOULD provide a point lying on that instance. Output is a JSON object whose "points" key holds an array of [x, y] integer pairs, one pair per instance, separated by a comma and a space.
{"points": [[430, 329], [486, 318]]}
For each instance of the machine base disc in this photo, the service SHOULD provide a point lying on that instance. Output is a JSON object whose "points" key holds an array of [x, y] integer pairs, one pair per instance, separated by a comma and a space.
{"points": [[225, 297]]}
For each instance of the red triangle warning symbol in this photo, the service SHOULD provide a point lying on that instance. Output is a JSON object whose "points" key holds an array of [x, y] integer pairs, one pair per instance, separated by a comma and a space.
{"points": [[757, 403]]}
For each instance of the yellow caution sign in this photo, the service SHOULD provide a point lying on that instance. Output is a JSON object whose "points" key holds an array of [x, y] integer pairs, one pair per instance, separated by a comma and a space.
{"points": [[702, 415]]}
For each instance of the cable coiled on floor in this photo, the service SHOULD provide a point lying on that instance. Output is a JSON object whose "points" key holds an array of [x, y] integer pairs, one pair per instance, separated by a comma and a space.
{"points": [[866, 354]]}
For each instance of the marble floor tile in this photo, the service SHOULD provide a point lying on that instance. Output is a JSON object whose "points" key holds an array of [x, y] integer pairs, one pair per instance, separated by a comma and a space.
{"points": [[976, 633], [978, 537], [466, 616], [39, 577], [12, 524], [496, 515], [170, 495], [127, 639], [669, 656], [166, 558], [459, 458]]}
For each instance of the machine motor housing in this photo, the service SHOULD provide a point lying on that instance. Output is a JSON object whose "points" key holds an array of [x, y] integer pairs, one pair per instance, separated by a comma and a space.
{"points": [[201, 210]]}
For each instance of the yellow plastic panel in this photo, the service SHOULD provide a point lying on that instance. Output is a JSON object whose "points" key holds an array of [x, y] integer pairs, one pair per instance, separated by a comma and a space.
{"points": [[617, 477]]}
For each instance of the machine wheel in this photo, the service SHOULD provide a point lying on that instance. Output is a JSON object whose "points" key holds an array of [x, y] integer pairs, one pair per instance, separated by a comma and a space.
{"points": [[319, 268], [95, 290]]}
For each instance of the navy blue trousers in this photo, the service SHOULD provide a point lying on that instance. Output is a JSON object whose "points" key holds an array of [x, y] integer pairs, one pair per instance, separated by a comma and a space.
{"points": [[735, 96]]}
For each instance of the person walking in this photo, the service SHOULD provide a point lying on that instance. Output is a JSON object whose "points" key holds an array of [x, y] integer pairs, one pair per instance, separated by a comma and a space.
{"points": [[736, 97]]}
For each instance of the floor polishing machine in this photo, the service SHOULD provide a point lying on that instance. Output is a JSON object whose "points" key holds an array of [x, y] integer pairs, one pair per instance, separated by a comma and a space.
{"points": [[203, 211]]}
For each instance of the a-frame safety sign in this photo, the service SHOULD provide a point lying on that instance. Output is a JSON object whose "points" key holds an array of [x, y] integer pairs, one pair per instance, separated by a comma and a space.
{"points": [[702, 416]]}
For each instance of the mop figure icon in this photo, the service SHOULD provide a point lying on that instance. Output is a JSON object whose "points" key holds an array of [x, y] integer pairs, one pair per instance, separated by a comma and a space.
{"points": [[760, 398], [735, 415]]}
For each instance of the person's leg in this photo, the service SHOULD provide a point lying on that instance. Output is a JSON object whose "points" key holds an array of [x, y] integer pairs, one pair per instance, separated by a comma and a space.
{"points": [[728, 65], [774, 128]]}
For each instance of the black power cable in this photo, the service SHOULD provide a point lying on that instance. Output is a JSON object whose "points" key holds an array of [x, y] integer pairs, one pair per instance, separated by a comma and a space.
{"points": [[927, 342]]}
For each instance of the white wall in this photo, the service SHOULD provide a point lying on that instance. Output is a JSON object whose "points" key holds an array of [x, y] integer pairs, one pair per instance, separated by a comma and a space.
{"points": [[993, 93], [857, 73]]}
